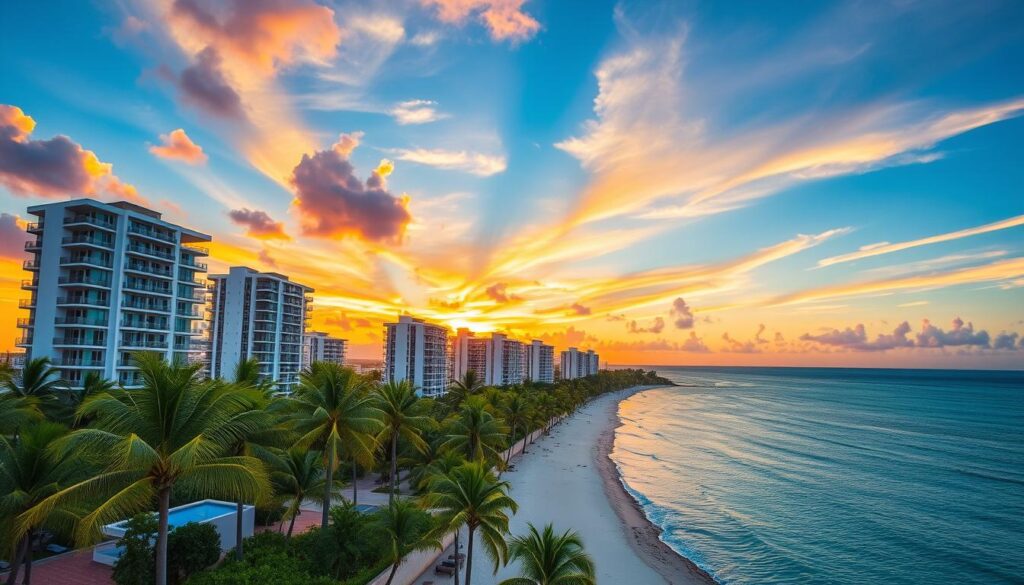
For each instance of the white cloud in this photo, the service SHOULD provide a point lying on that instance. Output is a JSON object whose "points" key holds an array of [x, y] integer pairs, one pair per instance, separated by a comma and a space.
{"points": [[475, 163], [417, 112]]}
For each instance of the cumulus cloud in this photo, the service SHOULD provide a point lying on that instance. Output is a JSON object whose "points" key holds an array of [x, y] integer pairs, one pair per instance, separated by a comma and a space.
{"points": [[333, 202], [1005, 341], [960, 335], [498, 292], [474, 163], [266, 258], [417, 112], [733, 345], [694, 344], [57, 167], [178, 146], [258, 224], [857, 338], [579, 309], [656, 327], [12, 237], [504, 19], [347, 323], [204, 85], [682, 314]]}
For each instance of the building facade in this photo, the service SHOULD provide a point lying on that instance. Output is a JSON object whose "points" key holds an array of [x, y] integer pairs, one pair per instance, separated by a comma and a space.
{"points": [[261, 315], [320, 347], [540, 362], [497, 360], [110, 280], [417, 351], [578, 364]]}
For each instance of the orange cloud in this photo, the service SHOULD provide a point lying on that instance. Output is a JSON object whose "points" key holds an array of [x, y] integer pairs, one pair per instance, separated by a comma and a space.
{"points": [[57, 167], [504, 19], [178, 146], [258, 224]]}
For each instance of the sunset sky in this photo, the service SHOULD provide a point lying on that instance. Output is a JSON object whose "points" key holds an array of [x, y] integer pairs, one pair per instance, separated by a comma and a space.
{"points": [[762, 183]]}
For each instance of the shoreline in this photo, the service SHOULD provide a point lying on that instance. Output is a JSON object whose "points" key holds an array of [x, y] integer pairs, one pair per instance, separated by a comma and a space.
{"points": [[642, 534]]}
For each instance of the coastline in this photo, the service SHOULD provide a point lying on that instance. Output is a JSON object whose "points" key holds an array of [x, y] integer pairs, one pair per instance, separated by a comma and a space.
{"points": [[643, 535]]}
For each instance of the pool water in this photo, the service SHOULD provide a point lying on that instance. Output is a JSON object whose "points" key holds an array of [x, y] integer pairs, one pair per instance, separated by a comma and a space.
{"points": [[200, 512]]}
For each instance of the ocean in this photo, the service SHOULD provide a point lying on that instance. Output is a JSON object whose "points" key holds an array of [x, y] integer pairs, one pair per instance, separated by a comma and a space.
{"points": [[792, 475]]}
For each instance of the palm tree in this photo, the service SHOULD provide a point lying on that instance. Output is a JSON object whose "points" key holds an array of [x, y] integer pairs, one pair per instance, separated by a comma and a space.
{"points": [[334, 410], [405, 527], [546, 558], [93, 384], [476, 433], [38, 379], [402, 417], [173, 432], [470, 495], [17, 412], [28, 475], [469, 385], [516, 411], [299, 474]]}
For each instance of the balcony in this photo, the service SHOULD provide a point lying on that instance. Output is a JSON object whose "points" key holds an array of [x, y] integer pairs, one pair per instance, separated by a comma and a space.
{"points": [[80, 321], [29, 284], [23, 340], [30, 265], [148, 288], [84, 301], [138, 305], [88, 241], [197, 250], [143, 344], [154, 270], [137, 230], [153, 252], [84, 281], [190, 282], [33, 245], [73, 362], [25, 322], [34, 227], [133, 324], [90, 220], [86, 260], [26, 303], [201, 267], [79, 342]]}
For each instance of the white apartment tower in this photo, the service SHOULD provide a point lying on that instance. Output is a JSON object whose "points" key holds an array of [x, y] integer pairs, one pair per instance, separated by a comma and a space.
{"points": [[320, 347], [578, 364], [261, 315], [417, 351], [540, 362], [497, 361], [110, 280]]}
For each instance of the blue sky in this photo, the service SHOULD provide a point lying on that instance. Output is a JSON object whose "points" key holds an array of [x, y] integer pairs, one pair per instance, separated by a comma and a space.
{"points": [[566, 170]]}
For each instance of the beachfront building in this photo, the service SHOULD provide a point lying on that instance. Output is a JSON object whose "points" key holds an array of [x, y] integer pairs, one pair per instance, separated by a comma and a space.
{"points": [[110, 280], [497, 360], [578, 364], [318, 346], [261, 315], [417, 351], [540, 362]]}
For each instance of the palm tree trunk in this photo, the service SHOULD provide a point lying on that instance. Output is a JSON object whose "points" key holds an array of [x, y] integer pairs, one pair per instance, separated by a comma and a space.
{"points": [[394, 569], [394, 467], [458, 565], [524, 442], [469, 558], [239, 508], [508, 454], [28, 560], [355, 488], [291, 524], [23, 544], [330, 482], [161, 536]]}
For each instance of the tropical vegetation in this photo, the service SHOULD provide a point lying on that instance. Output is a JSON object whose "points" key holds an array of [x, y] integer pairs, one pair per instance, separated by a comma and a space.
{"points": [[73, 459]]}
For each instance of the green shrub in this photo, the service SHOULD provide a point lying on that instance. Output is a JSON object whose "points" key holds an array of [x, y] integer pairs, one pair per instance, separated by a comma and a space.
{"points": [[269, 514], [137, 565], [191, 548], [285, 572]]}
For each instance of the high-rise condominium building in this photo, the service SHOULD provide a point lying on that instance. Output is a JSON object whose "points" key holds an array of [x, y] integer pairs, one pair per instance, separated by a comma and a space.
{"points": [[578, 364], [540, 362], [497, 360], [321, 347], [417, 351], [261, 315], [110, 280]]}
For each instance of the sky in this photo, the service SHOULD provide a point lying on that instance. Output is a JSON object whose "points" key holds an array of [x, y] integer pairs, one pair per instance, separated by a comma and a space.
{"points": [[707, 183]]}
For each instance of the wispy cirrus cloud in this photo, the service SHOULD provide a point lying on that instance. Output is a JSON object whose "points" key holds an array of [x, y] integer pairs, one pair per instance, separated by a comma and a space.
{"points": [[474, 163], [887, 248], [417, 112]]}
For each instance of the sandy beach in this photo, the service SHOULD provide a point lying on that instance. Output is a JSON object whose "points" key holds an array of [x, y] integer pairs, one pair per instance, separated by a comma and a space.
{"points": [[567, 479]]}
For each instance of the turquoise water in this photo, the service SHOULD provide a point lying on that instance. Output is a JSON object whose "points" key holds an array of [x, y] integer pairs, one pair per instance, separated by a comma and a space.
{"points": [[777, 475], [198, 513]]}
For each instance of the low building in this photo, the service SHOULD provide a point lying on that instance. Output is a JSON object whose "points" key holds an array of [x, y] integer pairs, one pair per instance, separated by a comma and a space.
{"points": [[318, 346], [578, 364]]}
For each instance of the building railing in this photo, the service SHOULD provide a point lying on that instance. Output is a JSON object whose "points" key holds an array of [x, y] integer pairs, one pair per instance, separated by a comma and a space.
{"points": [[23, 340], [200, 250], [30, 265], [83, 301], [78, 320], [156, 270], [86, 260], [131, 323], [29, 284], [26, 303], [150, 252], [145, 343], [91, 220], [83, 280], [77, 341], [35, 226], [135, 304], [88, 240], [33, 245], [138, 286], [80, 362], [149, 233]]}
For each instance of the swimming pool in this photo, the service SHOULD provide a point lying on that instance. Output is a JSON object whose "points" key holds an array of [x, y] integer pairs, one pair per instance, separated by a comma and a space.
{"points": [[202, 511]]}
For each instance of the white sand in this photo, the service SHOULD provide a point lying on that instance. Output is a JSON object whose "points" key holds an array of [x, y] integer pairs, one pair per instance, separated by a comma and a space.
{"points": [[557, 481]]}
